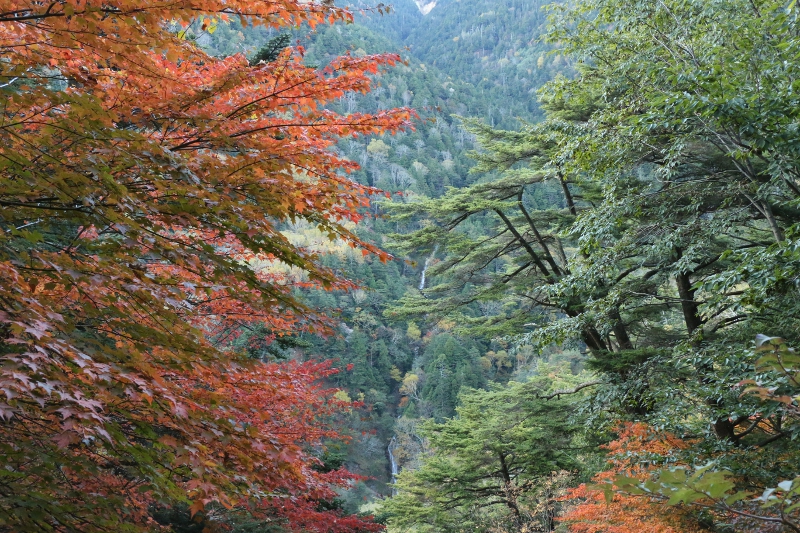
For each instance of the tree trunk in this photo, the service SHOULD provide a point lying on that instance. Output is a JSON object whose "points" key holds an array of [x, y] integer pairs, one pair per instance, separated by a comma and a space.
{"points": [[724, 428], [620, 333], [546, 249], [777, 231], [689, 306], [511, 499], [567, 194]]}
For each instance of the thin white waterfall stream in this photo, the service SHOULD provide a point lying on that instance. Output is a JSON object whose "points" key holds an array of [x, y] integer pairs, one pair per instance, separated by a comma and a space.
{"points": [[393, 463], [425, 267]]}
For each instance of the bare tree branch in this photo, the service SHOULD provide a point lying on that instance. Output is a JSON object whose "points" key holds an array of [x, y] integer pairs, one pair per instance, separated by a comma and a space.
{"points": [[559, 393]]}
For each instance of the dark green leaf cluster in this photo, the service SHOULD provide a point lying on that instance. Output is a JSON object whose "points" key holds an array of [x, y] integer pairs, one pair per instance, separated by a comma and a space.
{"points": [[272, 49]]}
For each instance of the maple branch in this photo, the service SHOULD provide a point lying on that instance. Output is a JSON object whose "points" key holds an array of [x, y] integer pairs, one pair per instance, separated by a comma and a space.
{"points": [[10, 82]]}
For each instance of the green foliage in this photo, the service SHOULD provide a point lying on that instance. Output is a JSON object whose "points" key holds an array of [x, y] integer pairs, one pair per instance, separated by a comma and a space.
{"points": [[620, 363], [272, 49], [492, 45], [487, 461], [652, 218]]}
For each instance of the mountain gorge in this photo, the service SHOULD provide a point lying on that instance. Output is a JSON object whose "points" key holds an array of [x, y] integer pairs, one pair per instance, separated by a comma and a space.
{"points": [[408, 369]]}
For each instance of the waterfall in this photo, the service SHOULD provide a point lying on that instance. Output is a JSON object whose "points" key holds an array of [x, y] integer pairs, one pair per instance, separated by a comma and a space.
{"points": [[425, 267], [393, 463]]}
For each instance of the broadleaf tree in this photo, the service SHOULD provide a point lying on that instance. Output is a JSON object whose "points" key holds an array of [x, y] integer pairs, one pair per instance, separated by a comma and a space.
{"points": [[144, 188]]}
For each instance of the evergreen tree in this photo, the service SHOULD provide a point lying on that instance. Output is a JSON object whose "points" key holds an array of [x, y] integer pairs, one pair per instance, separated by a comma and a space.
{"points": [[487, 463]]}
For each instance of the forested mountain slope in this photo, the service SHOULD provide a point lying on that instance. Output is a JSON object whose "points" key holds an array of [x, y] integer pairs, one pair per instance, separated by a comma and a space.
{"points": [[389, 356], [494, 46], [408, 369]]}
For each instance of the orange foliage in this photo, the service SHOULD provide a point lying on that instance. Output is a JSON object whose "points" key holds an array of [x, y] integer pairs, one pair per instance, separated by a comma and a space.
{"points": [[591, 512], [140, 177]]}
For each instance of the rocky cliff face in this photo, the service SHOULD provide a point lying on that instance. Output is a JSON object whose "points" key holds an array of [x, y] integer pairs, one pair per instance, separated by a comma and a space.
{"points": [[425, 6]]}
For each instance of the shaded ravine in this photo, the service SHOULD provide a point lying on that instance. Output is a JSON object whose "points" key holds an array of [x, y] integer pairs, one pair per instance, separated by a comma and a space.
{"points": [[393, 442]]}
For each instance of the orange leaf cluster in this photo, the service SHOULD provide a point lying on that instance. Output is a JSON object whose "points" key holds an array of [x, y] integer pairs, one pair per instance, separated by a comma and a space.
{"points": [[591, 513]]}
